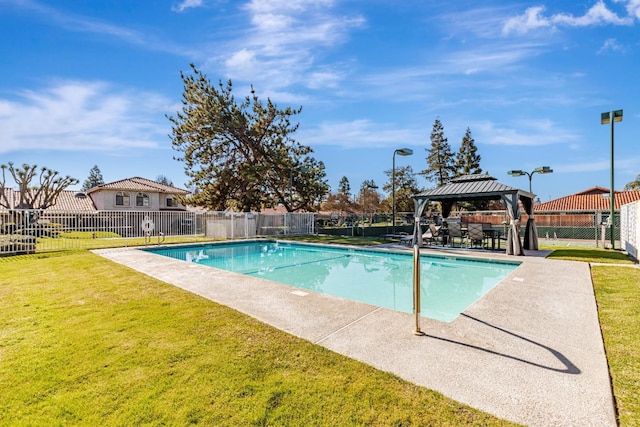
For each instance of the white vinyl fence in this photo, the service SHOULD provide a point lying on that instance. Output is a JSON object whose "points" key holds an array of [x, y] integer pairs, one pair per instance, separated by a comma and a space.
{"points": [[630, 228], [28, 231]]}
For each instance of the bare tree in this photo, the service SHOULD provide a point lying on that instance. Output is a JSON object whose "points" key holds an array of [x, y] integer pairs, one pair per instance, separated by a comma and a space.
{"points": [[38, 195]]}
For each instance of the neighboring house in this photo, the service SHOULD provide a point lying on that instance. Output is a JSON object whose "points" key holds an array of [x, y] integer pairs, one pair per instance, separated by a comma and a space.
{"points": [[136, 194], [132, 194], [595, 199]]}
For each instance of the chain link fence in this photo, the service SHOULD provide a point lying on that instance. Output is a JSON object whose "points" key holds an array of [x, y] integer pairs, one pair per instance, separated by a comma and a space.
{"points": [[590, 229]]}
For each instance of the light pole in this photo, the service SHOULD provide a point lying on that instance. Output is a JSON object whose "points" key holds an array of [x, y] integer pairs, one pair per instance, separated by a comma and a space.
{"points": [[541, 170], [606, 118], [402, 152]]}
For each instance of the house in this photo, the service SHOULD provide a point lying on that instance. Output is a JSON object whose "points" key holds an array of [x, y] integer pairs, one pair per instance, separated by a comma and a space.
{"points": [[137, 194], [595, 199], [132, 194]]}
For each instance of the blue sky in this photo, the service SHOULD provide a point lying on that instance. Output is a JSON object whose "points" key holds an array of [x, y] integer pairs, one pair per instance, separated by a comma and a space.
{"points": [[84, 83]]}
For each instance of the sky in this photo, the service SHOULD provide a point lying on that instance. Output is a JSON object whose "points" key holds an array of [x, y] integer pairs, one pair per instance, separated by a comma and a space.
{"points": [[92, 83]]}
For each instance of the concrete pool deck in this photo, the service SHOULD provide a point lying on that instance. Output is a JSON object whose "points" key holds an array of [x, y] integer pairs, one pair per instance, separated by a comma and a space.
{"points": [[529, 351]]}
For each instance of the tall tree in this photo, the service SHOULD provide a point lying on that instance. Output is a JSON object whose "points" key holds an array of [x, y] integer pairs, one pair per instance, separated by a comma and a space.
{"points": [[344, 187], [467, 158], [161, 179], [633, 185], [37, 190], [440, 161], [406, 186], [241, 154], [369, 198], [94, 178]]}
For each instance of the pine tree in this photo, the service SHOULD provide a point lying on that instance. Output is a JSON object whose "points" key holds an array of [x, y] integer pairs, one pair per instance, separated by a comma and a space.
{"points": [[440, 161], [344, 187], [161, 179], [94, 178], [241, 154], [467, 159]]}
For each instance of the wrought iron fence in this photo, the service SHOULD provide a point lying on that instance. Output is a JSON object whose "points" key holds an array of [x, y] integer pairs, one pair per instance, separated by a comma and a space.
{"points": [[28, 231]]}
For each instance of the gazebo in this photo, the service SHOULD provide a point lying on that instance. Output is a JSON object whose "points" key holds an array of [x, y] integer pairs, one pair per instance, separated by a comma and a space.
{"points": [[482, 187]]}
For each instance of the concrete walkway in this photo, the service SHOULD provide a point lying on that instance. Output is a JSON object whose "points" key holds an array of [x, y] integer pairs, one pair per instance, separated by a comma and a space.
{"points": [[529, 351]]}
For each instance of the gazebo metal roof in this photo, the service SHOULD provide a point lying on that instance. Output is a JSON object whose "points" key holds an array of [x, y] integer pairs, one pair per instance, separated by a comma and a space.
{"points": [[472, 187]]}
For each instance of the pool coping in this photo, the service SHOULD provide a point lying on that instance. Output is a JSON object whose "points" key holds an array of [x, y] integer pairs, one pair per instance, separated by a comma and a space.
{"points": [[529, 351]]}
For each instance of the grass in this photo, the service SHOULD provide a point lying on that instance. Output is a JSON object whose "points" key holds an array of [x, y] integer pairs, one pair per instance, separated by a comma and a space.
{"points": [[83, 240], [617, 292], [590, 255], [84, 341]]}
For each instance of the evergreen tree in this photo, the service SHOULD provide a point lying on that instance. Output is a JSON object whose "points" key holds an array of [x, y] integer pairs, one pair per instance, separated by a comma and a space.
{"points": [[406, 186], [161, 179], [242, 154], [633, 185], [440, 161], [344, 187], [340, 201], [467, 159], [94, 178]]}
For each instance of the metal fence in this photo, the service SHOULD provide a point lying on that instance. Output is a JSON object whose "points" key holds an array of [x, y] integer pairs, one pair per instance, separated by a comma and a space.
{"points": [[29, 231], [578, 228], [583, 228]]}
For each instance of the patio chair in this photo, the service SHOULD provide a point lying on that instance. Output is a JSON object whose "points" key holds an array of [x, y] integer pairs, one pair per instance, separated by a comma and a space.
{"points": [[475, 235], [432, 235], [455, 231]]}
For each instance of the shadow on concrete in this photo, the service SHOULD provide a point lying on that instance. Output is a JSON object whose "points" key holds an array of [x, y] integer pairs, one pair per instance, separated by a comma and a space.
{"points": [[570, 368]]}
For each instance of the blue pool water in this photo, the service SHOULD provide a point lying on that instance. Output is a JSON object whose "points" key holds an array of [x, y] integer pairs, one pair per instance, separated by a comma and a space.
{"points": [[380, 278]]}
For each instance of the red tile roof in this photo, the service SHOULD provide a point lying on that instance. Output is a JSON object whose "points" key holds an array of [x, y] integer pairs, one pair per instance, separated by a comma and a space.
{"points": [[592, 199], [138, 184], [67, 201]]}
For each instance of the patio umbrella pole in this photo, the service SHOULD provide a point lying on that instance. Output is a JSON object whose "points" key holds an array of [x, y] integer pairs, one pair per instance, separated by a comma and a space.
{"points": [[416, 288]]}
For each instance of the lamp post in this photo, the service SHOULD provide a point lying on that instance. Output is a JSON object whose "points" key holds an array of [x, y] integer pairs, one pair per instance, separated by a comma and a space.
{"points": [[541, 170], [606, 118], [402, 152]]}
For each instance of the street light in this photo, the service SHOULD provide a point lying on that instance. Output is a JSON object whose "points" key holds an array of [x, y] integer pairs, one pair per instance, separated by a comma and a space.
{"points": [[606, 118], [541, 170], [402, 152]]}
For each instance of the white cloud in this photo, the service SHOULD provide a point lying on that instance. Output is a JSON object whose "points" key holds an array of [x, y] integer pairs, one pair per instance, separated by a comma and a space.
{"points": [[598, 14], [359, 134], [531, 19], [524, 133], [633, 7], [284, 42], [85, 116], [186, 4], [612, 45]]}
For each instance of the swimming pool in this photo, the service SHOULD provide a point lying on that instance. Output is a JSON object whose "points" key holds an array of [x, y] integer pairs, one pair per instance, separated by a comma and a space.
{"points": [[449, 285]]}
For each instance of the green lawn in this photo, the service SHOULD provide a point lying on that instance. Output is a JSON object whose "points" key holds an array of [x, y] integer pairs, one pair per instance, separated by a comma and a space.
{"points": [[84, 341], [618, 294]]}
